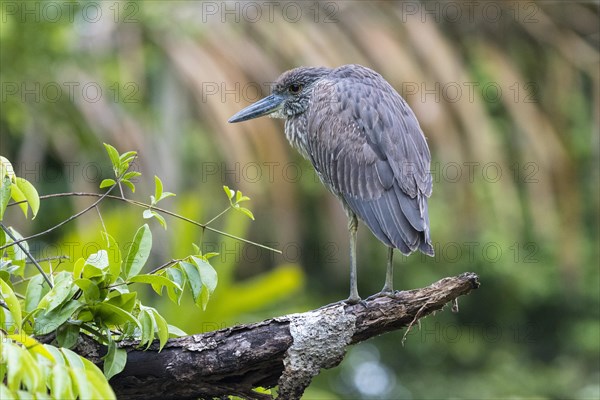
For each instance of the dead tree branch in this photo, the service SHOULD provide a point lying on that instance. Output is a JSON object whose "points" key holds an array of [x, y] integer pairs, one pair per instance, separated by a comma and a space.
{"points": [[287, 351]]}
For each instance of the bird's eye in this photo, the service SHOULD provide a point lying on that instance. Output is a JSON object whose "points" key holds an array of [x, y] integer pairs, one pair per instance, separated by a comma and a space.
{"points": [[294, 88]]}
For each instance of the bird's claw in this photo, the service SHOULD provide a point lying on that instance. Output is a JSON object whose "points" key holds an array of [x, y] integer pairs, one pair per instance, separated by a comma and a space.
{"points": [[349, 301], [355, 300], [392, 294]]}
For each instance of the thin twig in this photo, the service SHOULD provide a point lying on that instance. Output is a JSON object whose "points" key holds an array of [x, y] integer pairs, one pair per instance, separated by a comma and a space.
{"points": [[165, 265], [415, 319], [63, 257], [71, 218], [151, 207], [218, 215], [101, 219], [22, 280], [27, 253]]}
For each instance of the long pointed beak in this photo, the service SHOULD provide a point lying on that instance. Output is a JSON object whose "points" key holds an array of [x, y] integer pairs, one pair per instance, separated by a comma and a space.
{"points": [[262, 107]]}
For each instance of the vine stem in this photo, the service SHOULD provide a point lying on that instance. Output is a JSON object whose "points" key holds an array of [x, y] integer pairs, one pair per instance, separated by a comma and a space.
{"points": [[28, 254], [143, 205], [71, 218]]}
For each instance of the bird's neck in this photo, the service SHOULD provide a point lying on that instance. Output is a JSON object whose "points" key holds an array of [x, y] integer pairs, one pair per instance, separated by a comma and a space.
{"points": [[295, 131]]}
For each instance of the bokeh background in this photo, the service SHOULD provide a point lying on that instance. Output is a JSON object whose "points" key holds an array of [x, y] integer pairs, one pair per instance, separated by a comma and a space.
{"points": [[507, 94]]}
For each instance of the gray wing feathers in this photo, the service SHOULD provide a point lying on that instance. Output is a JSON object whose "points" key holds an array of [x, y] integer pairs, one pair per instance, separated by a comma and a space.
{"points": [[367, 145]]}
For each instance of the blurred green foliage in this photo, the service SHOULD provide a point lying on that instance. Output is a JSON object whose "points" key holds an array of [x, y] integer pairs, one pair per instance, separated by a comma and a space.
{"points": [[515, 171]]}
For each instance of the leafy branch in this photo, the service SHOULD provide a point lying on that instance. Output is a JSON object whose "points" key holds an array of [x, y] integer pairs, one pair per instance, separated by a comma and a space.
{"points": [[32, 202], [234, 204], [91, 297]]}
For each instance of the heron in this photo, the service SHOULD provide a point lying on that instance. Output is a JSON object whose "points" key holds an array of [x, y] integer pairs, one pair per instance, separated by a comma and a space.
{"points": [[366, 146]]}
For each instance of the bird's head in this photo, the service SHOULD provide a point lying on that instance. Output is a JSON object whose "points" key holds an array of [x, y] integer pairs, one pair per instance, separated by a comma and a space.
{"points": [[290, 95]]}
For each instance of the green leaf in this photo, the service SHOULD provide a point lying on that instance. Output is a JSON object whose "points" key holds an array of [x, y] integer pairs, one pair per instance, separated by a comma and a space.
{"points": [[230, 193], [33, 346], [125, 301], [245, 211], [238, 196], [162, 329], [2, 371], [158, 191], [113, 154], [99, 384], [28, 319], [88, 380], [98, 260], [176, 332], [138, 252], [127, 157], [113, 315], [157, 282], [147, 322], [14, 308], [114, 360], [177, 276], [120, 286], [160, 219], [6, 393], [67, 335], [114, 257], [130, 175], [47, 322], [167, 195], [18, 196], [158, 188], [59, 294], [130, 185], [31, 195], [33, 378], [54, 354], [6, 168], [204, 297], [60, 382], [90, 271], [196, 249], [91, 291], [207, 272], [82, 388], [208, 256], [193, 277], [4, 195], [36, 290], [12, 356], [15, 254], [107, 183], [148, 213], [78, 267], [72, 359]]}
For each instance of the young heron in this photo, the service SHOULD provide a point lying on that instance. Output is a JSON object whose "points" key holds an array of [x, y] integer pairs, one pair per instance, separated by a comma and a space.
{"points": [[367, 147]]}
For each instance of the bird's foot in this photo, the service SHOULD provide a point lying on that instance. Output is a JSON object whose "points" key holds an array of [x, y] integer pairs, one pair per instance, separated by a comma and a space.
{"points": [[387, 289], [386, 292], [352, 300]]}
